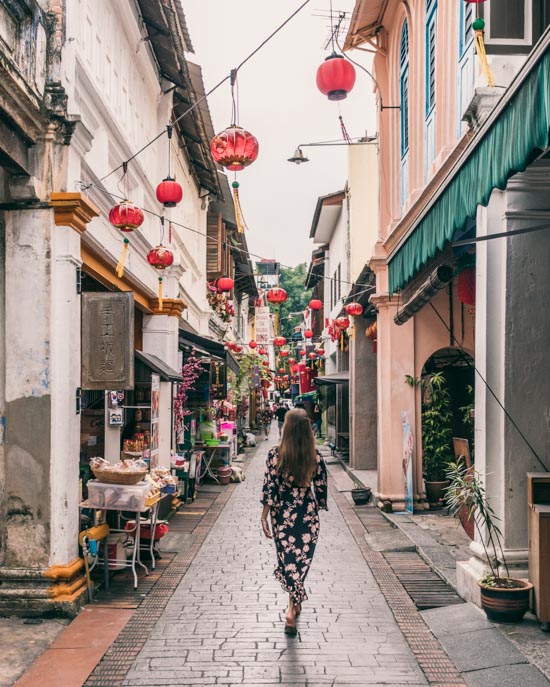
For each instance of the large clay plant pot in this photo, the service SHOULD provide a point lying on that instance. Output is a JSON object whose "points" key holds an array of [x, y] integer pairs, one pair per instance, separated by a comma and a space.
{"points": [[503, 604], [361, 495], [435, 491]]}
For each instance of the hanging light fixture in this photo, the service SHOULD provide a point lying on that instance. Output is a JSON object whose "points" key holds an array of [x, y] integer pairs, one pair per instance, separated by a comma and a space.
{"points": [[298, 157], [224, 284], [335, 77], [234, 148], [169, 192]]}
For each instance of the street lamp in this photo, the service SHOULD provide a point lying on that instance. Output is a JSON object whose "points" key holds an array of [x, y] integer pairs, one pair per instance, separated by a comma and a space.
{"points": [[299, 156]]}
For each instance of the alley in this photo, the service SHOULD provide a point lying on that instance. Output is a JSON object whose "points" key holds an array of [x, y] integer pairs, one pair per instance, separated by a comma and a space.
{"points": [[224, 623]]}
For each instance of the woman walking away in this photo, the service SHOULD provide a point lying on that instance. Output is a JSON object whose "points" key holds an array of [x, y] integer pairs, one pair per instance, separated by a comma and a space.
{"points": [[294, 490]]}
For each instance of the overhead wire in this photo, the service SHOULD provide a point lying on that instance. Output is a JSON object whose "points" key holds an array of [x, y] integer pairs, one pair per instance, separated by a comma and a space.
{"points": [[229, 76]]}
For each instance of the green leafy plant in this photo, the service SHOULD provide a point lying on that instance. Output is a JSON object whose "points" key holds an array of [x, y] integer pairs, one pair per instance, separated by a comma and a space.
{"points": [[466, 492], [437, 430]]}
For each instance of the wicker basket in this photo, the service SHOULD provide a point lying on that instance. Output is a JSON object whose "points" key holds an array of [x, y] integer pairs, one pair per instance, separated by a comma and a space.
{"points": [[111, 477]]}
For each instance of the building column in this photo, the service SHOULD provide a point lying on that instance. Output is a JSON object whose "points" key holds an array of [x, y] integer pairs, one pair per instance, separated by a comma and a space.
{"points": [[363, 400], [160, 337], [40, 570], [512, 336]]}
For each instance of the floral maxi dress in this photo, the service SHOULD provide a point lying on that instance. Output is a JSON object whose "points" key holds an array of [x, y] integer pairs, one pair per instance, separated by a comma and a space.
{"points": [[295, 522]]}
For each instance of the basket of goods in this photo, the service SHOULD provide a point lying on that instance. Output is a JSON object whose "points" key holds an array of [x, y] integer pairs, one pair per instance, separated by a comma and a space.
{"points": [[124, 472], [164, 479]]}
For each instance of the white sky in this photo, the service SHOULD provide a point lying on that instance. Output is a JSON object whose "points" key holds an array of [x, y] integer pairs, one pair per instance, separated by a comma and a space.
{"points": [[281, 106]]}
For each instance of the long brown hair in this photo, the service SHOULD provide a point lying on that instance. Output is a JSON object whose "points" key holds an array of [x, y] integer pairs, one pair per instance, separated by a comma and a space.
{"points": [[297, 456]]}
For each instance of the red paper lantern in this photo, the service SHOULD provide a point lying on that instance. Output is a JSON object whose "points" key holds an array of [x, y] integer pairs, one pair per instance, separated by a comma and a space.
{"points": [[224, 284], [126, 216], [266, 363], [169, 192], [262, 351], [354, 309], [160, 257], [234, 148], [237, 348], [336, 77], [276, 295], [308, 334], [312, 355], [371, 332], [286, 378], [279, 341], [320, 351], [281, 370], [467, 286], [252, 344], [342, 322], [291, 361], [284, 353], [315, 304], [302, 352]]}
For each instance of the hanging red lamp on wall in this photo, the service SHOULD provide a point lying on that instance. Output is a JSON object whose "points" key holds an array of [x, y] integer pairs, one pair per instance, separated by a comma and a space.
{"points": [[354, 309], [125, 216], [467, 286], [336, 77], [234, 148], [315, 304], [160, 258], [224, 284]]}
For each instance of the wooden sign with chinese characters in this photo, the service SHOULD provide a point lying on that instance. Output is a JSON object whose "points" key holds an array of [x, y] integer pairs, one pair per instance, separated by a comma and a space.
{"points": [[108, 340], [218, 382]]}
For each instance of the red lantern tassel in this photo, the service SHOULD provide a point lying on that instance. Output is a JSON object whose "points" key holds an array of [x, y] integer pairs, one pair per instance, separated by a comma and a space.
{"points": [[160, 293], [120, 264], [241, 224]]}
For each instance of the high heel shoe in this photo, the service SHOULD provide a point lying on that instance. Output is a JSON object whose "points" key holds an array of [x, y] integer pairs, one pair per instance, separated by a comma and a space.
{"points": [[290, 628]]}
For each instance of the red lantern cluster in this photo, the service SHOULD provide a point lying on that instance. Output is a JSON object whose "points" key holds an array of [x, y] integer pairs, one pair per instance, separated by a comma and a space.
{"points": [[277, 295], [224, 284], [169, 192], [234, 148], [126, 216], [315, 304], [336, 77], [279, 341], [354, 309], [160, 257]]}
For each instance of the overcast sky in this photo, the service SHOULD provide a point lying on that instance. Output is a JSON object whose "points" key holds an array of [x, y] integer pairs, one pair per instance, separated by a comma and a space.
{"points": [[281, 106]]}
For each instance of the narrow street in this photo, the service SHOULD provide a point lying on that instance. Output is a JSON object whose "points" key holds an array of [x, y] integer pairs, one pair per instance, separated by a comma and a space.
{"points": [[224, 624]]}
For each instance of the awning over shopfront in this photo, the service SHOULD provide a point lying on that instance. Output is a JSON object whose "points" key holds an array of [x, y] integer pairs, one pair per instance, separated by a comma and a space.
{"points": [[336, 378], [515, 133], [158, 366], [213, 348]]}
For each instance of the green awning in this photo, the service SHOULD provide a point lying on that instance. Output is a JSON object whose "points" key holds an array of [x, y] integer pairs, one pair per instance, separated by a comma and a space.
{"points": [[510, 143]]}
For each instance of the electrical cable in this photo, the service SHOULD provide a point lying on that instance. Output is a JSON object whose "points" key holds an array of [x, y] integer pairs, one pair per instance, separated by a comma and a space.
{"points": [[87, 185], [490, 390], [214, 88]]}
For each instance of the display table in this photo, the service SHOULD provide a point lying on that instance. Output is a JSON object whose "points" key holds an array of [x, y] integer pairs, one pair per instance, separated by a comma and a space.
{"points": [[150, 510], [204, 466]]}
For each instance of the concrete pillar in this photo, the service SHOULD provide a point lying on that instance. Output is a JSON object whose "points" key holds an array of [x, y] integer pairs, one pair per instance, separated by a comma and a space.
{"points": [[160, 337], [40, 570], [363, 401], [512, 336]]}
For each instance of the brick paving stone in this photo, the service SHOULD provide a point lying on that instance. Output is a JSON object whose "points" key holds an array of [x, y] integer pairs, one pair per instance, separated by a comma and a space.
{"points": [[224, 622]]}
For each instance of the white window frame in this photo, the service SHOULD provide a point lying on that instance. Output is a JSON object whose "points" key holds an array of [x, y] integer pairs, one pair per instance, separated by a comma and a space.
{"points": [[528, 19]]}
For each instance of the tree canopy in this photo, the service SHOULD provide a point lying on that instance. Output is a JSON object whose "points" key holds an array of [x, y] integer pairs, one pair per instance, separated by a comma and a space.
{"points": [[292, 280]]}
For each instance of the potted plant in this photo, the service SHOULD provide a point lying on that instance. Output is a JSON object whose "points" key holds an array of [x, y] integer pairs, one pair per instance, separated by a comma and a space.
{"points": [[360, 494], [504, 599], [436, 436]]}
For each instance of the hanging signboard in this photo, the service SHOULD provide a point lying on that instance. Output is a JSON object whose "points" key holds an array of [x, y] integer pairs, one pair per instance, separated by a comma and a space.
{"points": [[107, 341], [262, 325], [218, 381], [408, 447]]}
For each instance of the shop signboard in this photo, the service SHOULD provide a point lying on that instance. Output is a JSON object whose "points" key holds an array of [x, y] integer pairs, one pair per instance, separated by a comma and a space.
{"points": [[155, 403], [107, 341], [262, 325], [218, 381]]}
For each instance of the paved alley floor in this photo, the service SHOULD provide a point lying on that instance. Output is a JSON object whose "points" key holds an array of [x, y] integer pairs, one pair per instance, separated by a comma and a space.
{"points": [[224, 624]]}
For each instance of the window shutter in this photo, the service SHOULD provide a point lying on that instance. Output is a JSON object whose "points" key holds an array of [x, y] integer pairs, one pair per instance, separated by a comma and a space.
{"points": [[214, 266]]}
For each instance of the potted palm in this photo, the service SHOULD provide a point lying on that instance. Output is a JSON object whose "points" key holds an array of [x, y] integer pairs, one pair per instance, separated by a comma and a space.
{"points": [[436, 436], [504, 599]]}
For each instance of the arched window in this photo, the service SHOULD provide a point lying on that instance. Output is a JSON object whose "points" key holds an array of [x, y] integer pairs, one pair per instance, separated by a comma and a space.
{"points": [[431, 52], [404, 100]]}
